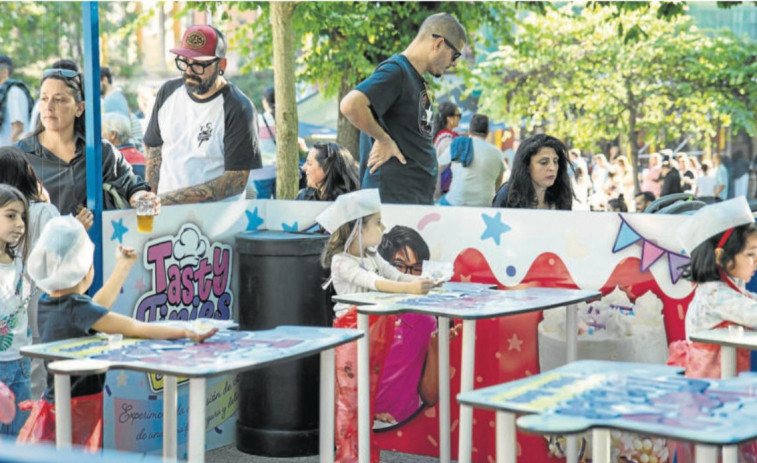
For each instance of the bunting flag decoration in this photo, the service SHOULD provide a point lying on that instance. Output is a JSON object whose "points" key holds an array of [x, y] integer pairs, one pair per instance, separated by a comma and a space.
{"points": [[650, 252]]}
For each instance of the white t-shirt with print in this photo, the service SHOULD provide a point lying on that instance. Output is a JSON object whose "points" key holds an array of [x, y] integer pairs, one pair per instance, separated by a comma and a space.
{"points": [[202, 139], [14, 321]]}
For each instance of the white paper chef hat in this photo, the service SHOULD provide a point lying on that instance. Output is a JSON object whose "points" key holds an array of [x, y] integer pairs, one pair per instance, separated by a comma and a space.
{"points": [[713, 219], [349, 207], [62, 256]]}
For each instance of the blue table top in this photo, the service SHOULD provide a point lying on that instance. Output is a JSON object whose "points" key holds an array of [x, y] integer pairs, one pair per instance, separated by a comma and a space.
{"points": [[226, 352], [539, 393], [467, 303], [632, 397]]}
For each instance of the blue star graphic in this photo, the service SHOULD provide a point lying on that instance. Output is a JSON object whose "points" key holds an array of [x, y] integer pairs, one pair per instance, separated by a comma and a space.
{"points": [[494, 227], [119, 230], [289, 228], [253, 220]]}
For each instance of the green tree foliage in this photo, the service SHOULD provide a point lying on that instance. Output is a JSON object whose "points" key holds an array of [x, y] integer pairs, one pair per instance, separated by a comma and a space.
{"points": [[570, 70], [341, 43], [38, 33]]}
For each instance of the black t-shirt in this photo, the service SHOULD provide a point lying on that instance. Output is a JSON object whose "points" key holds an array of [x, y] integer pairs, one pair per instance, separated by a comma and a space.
{"points": [[401, 104], [66, 317], [671, 183]]}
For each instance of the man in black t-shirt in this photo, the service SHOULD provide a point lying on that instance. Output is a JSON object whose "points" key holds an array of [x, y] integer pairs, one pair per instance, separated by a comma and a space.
{"points": [[393, 107]]}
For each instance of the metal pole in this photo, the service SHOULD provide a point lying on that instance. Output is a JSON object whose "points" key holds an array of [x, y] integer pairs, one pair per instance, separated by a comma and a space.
{"points": [[91, 29]]}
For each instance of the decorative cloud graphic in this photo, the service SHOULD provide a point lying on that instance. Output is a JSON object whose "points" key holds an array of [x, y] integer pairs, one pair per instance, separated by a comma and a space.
{"points": [[190, 246]]}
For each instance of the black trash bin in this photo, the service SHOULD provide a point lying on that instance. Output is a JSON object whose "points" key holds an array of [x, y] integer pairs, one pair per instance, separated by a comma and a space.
{"points": [[280, 280]]}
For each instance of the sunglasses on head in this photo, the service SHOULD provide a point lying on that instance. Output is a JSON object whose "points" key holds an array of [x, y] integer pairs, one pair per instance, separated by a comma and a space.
{"points": [[67, 73], [455, 52]]}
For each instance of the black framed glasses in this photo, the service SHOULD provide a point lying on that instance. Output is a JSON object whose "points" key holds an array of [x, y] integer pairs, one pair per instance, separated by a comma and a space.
{"points": [[415, 269], [458, 115], [455, 52], [197, 67]]}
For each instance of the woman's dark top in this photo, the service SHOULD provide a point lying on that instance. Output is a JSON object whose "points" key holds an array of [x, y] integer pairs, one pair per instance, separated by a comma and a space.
{"points": [[67, 182]]}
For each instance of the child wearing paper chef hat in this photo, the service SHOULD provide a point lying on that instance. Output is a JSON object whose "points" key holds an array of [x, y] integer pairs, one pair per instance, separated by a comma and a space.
{"points": [[722, 241], [354, 221], [61, 264]]}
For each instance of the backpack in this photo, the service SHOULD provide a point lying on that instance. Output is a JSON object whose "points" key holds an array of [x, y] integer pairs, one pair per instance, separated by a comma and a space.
{"points": [[5, 88]]}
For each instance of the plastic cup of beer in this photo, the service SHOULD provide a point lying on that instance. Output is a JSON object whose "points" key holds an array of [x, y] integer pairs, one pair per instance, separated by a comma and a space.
{"points": [[145, 215]]}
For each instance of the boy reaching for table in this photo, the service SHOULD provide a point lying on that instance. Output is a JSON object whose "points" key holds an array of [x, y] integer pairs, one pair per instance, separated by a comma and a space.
{"points": [[61, 263]]}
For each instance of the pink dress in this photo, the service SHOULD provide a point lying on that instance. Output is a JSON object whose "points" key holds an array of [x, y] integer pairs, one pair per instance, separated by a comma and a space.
{"points": [[397, 392]]}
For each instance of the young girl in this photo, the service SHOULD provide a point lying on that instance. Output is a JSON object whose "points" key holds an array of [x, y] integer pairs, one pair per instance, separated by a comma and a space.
{"points": [[354, 221], [722, 241], [16, 171], [14, 296]]}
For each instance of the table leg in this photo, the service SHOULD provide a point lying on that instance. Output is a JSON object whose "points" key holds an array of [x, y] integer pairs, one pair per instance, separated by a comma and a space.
{"points": [[465, 445], [196, 435], [170, 421], [727, 362], [571, 354], [363, 392], [571, 448], [63, 411], [600, 445], [507, 443], [571, 333], [706, 454], [728, 370], [731, 454], [444, 401], [326, 443]]}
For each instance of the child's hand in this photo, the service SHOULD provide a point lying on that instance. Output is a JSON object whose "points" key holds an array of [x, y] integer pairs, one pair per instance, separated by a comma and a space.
{"points": [[125, 256], [421, 286], [200, 337], [85, 216]]}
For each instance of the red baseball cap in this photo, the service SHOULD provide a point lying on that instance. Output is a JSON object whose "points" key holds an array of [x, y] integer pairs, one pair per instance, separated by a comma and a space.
{"points": [[202, 42]]}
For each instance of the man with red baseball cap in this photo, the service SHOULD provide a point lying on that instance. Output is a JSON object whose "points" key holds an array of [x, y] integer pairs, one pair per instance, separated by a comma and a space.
{"points": [[202, 139]]}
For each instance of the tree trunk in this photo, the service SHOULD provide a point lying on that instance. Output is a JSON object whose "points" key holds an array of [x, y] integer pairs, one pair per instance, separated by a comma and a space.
{"points": [[347, 134], [287, 169], [633, 139], [162, 34]]}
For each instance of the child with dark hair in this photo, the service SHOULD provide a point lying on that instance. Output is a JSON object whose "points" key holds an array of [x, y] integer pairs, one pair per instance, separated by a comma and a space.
{"points": [[617, 204], [15, 292], [722, 241], [354, 221]]}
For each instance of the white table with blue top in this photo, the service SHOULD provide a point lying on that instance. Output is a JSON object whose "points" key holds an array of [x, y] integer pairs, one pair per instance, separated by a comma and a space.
{"points": [[729, 339], [227, 352], [539, 393], [469, 302]]}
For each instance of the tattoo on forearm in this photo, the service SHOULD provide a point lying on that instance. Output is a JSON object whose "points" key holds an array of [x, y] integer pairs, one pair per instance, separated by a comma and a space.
{"points": [[152, 169], [232, 182]]}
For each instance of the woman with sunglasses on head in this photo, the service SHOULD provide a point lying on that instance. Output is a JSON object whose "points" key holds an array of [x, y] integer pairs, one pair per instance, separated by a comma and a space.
{"points": [[57, 147], [330, 171], [446, 118]]}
